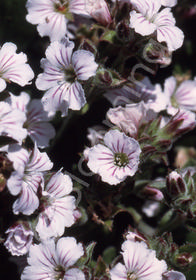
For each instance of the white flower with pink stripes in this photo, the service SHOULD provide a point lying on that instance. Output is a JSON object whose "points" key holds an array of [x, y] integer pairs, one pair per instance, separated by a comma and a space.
{"points": [[29, 167], [57, 207], [64, 70], [146, 18], [116, 159], [139, 263], [54, 261], [13, 67], [52, 16]]}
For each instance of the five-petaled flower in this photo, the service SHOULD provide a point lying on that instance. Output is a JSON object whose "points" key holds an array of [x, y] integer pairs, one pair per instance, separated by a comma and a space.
{"points": [[63, 69], [57, 207], [146, 19], [116, 159], [54, 261], [27, 178], [52, 16], [13, 67]]}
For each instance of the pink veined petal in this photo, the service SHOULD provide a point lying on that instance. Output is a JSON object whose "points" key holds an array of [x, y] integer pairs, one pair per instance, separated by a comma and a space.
{"points": [[59, 185], [13, 66], [39, 161], [19, 156], [55, 26], [78, 7], [186, 95], [84, 64], [75, 96], [68, 251], [172, 35], [38, 10], [146, 7], [54, 100], [19, 102], [43, 256], [27, 202], [59, 54], [165, 17], [14, 183], [141, 25]]}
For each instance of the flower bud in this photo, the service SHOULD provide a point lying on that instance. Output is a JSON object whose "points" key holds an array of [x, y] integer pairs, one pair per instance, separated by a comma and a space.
{"points": [[175, 184], [184, 259], [99, 11], [19, 239], [123, 31], [152, 193], [155, 52]]}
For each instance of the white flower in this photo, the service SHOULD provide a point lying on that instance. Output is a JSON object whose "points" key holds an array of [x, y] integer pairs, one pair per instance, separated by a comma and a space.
{"points": [[37, 122], [19, 239], [11, 122], [182, 96], [13, 67], [99, 11], [169, 3], [52, 16], [57, 207], [116, 159], [62, 70], [146, 19], [139, 263], [27, 177], [54, 261]]}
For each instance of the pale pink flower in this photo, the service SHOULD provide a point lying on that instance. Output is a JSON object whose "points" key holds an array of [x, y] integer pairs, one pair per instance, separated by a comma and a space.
{"points": [[139, 263], [146, 20], [116, 159], [98, 9], [27, 177], [63, 69], [54, 261], [52, 16], [57, 207], [130, 117], [181, 96], [37, 121], [19, 239], [11, 122], [13, 67]]}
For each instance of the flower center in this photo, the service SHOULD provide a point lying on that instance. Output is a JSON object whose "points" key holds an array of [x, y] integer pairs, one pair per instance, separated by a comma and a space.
{"points": [[59, 272], [70, 75], [61, 6], [174, 101], [121, 159], [131, 276]]}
